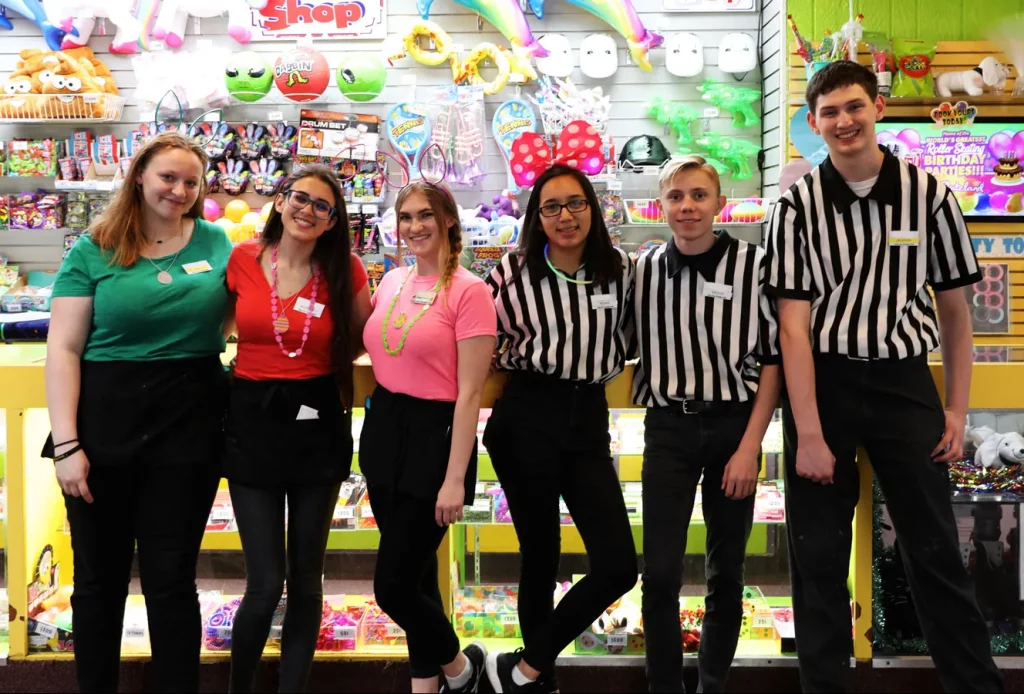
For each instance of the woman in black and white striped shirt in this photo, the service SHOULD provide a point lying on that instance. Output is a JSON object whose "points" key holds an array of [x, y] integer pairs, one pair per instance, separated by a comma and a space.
{"points": [[564, 311]]}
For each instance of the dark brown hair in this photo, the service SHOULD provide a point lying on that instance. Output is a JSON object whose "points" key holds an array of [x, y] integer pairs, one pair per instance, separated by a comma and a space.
{"points": [[833, 76], [331, 254]]}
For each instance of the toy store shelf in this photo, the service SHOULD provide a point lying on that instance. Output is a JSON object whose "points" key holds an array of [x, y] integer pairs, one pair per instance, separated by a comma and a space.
{"points": [[367, 539], [1004, 662]]}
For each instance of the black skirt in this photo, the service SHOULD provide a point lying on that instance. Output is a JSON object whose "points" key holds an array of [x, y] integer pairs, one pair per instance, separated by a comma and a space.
{"points": [[405, 444], [285, 432], [168, 412]]}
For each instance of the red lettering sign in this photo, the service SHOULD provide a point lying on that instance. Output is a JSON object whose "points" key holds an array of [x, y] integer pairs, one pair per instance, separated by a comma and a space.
{"points": [[298, 17]]}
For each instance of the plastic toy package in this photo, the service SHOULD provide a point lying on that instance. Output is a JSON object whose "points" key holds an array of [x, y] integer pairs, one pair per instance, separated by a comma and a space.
{"points": [[36, 211], [32, 157], [376, 629], [217, 629], [913, 76], [455, 152], [488, 612]]}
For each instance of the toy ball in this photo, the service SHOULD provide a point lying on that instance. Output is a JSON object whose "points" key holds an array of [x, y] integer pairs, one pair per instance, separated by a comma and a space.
{"points": [[302, 74], [265, 212], [211, 210], [361, 77], [997, 201], [235, 210], [248, 76], [725, 216], [250, 225], [227, 225], [747, 212]]}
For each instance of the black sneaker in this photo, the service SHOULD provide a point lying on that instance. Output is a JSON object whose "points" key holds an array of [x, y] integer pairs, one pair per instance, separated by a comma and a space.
{"points": [[477, 655], [548, 682], [499, 672]]}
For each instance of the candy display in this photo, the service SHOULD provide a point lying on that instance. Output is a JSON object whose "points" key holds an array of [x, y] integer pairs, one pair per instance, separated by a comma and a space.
{"points": [[339, 628], [913, 68], [488, 612], [36, 211], [32, 157], [352, 491], [376, 629], [217, 627]]}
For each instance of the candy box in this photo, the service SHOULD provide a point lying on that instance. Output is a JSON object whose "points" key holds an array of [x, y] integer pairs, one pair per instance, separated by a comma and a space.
{"points": [[32, 157], [376, 629], [352, 490], [618, 631], [217, 628], [757, 622], [51, 632], [36, 211], [486, 612], [364, 514], [5, 215], [339, 628], [24, 299]]}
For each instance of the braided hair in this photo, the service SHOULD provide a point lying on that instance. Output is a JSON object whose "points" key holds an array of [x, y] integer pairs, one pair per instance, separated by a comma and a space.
{"points": [[446, 211]]}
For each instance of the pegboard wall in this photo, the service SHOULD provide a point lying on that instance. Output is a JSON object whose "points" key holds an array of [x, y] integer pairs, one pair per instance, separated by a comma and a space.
{"points": [[630, 89]]}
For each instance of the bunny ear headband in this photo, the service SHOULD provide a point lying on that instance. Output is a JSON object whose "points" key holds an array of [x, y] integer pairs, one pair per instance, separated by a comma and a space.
{"points": [[579, 147], [436, 170]]}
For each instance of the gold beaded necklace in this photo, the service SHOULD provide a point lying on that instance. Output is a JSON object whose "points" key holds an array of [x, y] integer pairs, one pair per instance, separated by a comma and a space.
{"points": [[427, 299]]}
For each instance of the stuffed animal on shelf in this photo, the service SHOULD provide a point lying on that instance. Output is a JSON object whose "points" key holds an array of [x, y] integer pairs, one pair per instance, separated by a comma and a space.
{"points": [[170, 23], [71, 82], [990, 73], [996, 450], [81, 16]]}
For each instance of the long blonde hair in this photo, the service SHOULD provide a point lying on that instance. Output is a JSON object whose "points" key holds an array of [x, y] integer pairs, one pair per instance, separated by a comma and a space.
{"points": [[446, 212], [119, 228]]}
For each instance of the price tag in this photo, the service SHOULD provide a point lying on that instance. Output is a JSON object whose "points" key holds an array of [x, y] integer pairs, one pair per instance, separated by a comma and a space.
{"points": [[223, 632], [562, 507], [481, 487], [508, 618], [19, 145], [614, 186], [47, 630], [711, 112], [212, 117], [276, 630], [91, 98], [275, 115], [366, 512], [344, 512], [221, 513], [481, 505], [344, 633], [394, 631], [370, 209], [134, 631], [763, 621], [618, 640]]}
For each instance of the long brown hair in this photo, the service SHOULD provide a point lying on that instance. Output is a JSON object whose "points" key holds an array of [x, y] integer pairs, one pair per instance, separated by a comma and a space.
{"points": [[119, 228], [446, 211], [331, 254]]}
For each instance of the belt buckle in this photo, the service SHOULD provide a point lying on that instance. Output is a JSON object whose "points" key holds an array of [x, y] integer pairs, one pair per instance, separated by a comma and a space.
{"points": [[689, 407]]}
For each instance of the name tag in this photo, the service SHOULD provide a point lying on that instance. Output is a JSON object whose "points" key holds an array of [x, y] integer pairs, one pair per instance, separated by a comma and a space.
{"points": [[904, 238], [302, 306], [714, 290], [602, 302], [424, 298], [197, 267]]}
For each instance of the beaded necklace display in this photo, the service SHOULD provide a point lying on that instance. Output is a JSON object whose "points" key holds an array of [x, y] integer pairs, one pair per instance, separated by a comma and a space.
{"points": [[273, 308], [401, 321]]}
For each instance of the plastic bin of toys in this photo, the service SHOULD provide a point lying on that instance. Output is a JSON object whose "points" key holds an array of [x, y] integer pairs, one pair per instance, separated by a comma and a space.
{"points": [[487, 612]]}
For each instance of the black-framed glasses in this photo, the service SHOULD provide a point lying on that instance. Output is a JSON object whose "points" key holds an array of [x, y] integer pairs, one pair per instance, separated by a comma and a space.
{"points": [[299, 200], [553, 209]]}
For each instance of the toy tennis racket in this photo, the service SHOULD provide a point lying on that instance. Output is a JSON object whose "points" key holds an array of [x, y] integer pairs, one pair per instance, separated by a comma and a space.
{"points": [[512, 119], [409, 132]]}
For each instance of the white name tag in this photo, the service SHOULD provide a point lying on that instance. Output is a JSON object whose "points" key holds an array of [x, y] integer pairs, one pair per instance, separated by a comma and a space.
{"points": [[307, 413], [714, 290], [904, 238], [197, 267], [602, 302], [302, 306]]}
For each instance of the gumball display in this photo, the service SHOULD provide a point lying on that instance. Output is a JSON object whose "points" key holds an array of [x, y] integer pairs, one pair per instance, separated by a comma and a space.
{"points": [[248, 76], [302, 74], [211, 210], [235, 210], [361, 77]]}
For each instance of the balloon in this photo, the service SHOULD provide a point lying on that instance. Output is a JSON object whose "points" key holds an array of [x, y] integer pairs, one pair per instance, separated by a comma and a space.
{"points": [[302, 74], [227, 225], [1018, 144], [910, 138], [249, 226], [361, 77], [235, 210], [507, 17], [885, 136], [999, 145], [997, 201], [248, 76], [265, 212], [982, 202], [968, 201], [211, 210]]}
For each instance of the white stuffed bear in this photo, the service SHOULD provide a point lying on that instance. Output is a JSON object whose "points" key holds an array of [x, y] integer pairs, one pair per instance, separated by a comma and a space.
{"points": [[990, 72], [996, 450]]}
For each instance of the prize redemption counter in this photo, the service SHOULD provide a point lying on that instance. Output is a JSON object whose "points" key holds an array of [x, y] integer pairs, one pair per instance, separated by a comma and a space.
{"points": [[40, 565]]}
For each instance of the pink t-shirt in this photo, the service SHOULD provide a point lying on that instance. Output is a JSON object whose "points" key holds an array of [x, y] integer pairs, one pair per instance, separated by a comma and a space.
{"points": [[427, 367]]}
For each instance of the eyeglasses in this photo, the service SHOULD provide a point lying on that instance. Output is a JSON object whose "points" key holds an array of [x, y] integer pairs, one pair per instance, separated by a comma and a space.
{"points": [[554, 209], [299, 200]]}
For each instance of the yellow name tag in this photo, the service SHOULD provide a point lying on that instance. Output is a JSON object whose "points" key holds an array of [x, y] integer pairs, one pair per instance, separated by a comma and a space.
{"points": [[197, 267], [904, 238]]}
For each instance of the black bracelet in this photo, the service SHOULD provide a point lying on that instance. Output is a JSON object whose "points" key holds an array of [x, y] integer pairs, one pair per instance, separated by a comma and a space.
{"points": [[58, 445], [62, 456]]}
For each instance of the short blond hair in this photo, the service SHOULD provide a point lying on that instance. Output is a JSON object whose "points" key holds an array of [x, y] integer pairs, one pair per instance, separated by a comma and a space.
{"points": [[687, 163]]}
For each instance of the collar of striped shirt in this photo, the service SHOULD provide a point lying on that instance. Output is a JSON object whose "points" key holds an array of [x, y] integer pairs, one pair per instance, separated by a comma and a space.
{"points": [[705, 263], [884, 191], [539, 271]]}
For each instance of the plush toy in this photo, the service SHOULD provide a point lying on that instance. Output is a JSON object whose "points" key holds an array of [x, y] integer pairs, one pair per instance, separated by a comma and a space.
{"points": [[33, 10], [989, 73], [70, 82], [170, 24], [79, 16], [996, 450]]}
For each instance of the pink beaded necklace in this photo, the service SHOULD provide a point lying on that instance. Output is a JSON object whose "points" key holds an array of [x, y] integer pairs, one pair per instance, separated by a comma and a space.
{"points": [[273, 308]]}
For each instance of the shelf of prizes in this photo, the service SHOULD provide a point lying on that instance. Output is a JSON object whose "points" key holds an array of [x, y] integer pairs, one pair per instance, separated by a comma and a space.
{"points": [[40, 563]]}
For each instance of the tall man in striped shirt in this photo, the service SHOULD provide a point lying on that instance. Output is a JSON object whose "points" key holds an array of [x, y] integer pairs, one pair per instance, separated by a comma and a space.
{"points": [[852, 251], [703, 324]]}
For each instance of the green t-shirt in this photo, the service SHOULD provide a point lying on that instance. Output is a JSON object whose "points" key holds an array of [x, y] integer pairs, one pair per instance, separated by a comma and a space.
{"points": [[135, 318]]}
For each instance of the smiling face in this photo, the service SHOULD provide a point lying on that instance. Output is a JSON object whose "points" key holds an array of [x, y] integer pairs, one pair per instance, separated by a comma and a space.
{"points": [[845, 118], [567, 230], [170, 184], [303, 209], [421, 227], [691, 201]]}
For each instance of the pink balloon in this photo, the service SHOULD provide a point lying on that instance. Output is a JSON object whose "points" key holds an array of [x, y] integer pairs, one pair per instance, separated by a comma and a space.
{"points": [[910, 138], [211, 210], [1018, 144], [886, 136], [999, 144], [997, 201]]}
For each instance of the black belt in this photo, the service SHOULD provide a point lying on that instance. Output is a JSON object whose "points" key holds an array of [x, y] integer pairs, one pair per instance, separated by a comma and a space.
{"points": [[537, 379], [714, 408]]}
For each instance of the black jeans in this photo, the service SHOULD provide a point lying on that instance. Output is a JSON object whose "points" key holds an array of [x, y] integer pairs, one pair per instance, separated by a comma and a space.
{"points": [[678, 448], [548, 437], [892, 409], [164, 509], [405, 579], [260, 515]]}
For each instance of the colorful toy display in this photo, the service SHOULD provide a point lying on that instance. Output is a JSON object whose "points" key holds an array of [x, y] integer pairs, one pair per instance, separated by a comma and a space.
{"points": [[733, 152], [302, 74], [170, 23], [739, 101], [512, 119], [456, 148], [80, 74], [408, 130], [644, 211], [507, 17], [488, 612], [33, 11], [78, 18], [913, 68], [579, 147], [678, 118], [560, 102], [622, 17], [248, 76], [361, 77]]}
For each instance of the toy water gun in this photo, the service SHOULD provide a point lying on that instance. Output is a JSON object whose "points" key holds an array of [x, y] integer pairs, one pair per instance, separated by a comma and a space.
{"points": [[739, 101], [733, 152], [677, 117]]}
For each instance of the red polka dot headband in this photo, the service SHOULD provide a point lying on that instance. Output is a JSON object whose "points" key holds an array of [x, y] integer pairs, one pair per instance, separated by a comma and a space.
{"points": [[579, 147]]}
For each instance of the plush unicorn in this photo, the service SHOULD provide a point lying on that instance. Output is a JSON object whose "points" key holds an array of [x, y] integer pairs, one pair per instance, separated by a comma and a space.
{"points": [[81, 15], [170, 24]]}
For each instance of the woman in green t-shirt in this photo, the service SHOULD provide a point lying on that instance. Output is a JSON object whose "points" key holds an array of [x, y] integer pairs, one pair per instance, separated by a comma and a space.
{"points": [[136, 394]]}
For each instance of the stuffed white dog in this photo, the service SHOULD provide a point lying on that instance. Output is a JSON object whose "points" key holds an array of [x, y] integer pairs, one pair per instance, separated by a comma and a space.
{"points": [[990, 73], [996, 450]]}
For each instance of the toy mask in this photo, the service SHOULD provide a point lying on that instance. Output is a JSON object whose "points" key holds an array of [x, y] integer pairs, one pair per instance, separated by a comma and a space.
{"points": [[737, 53], [558, 63], [599, 56], [684, 55]]}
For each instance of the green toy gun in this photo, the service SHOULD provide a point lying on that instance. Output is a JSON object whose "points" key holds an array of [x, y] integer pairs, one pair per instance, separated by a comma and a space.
{"points": [[677, 117], [733, 152], [739, 101]]}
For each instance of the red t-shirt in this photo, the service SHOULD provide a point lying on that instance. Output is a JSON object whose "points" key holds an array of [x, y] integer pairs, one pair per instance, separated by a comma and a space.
{"points": [[259, 357]]}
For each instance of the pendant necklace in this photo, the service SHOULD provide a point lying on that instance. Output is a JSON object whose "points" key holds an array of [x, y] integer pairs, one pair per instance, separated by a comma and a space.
{"points": [[275, 318], [401, 320], [163, 276], [281, 325]]}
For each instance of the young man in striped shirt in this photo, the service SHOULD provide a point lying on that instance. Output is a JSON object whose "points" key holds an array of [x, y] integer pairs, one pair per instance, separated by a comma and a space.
{"points": [[852, 250], [703, 324]]}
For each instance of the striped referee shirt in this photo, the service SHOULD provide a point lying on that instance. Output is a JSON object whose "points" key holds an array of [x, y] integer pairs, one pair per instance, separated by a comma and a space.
{"points": [[578, 332], [865, 263], [703, 324]]}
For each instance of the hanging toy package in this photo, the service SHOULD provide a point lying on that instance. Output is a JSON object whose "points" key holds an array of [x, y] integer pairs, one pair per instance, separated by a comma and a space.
{"points": [[913, 69], [455, 151]]}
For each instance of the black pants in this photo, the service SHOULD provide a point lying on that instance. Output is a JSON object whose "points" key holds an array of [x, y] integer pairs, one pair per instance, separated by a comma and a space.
{"points": [[892, 409], [678, 448], [164, 510], [548, 437], [260, 515]]}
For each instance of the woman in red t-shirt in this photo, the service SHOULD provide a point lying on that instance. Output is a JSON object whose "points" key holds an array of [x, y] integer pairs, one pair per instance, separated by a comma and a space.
{"points": [[301, 300]]}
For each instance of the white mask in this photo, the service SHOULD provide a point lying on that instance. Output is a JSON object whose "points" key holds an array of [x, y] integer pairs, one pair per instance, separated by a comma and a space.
{"points": [[599, 56], [558, 63], [684, 55], [737, 53]]}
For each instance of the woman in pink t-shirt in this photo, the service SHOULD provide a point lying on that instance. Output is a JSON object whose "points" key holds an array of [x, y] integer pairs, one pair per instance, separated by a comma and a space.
{"points": [[430, 338]]}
